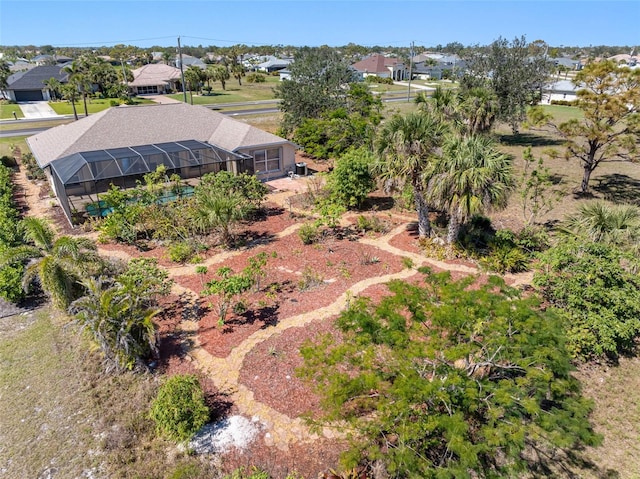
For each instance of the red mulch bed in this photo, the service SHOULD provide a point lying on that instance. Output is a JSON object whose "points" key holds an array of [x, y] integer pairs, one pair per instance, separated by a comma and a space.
{"points": [[308, 460], [340, 263]]}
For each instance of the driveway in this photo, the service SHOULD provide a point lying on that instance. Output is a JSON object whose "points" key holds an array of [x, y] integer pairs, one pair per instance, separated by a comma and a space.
{"points": [[162, 99], [37, 109]]}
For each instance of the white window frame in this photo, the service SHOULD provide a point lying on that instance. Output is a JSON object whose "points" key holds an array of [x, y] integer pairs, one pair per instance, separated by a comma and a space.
{"points": [[260, 166]]}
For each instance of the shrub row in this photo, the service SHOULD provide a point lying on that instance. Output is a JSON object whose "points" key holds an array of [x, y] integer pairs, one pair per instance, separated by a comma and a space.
{"points": [[10, 276]]}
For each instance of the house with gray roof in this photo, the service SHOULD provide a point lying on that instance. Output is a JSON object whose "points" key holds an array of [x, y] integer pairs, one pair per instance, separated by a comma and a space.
{"points": [[560, 90], [119, 145], [30, 85], [188, 61]]}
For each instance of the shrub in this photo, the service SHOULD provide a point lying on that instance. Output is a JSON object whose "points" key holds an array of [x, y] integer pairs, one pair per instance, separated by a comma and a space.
{"points": [[596, 290], [179, 410], [351, 180], [180, 252], [8, 161], [370, 223], [256, 78], [310, 279], [563, 102], [308, 233]]}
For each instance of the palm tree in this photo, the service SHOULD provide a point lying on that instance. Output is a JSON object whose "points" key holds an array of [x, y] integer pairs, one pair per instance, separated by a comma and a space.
{"points": [[54, 86], [218, 211], [57, 264], [78, 76], [406, 146], [470, 177], [477, 108], [70, 93], [238, 71], [218, 73], [602, 222], [193, 77], [121, 327]]}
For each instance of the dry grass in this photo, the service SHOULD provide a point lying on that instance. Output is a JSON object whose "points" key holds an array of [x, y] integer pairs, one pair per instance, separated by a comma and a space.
{"points": [[615, 392], [615, 181], [62, 418], [7, 145]]}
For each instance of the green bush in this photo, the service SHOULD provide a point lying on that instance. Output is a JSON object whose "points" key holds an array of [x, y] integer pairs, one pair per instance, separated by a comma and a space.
{"points": [[351, 180], [179, 410], [256, 78], [180, 252], [563, 102], [370, 223], [377, 79], [596, 290], [8, 161], [308, 233]]}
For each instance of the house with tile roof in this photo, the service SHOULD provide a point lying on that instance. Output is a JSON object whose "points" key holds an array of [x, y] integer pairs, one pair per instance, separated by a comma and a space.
{"points": [[154, 79], [120, 145], [29, 85], [383, 67]]}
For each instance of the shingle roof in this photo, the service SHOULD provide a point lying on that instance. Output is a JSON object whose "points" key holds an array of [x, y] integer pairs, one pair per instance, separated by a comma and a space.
{"points": [[154, 74], [125, 126], [376, 64], [34, 79]]}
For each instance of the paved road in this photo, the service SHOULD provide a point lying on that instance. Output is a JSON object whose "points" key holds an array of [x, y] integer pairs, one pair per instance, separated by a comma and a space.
{"points": [[253, 111]]}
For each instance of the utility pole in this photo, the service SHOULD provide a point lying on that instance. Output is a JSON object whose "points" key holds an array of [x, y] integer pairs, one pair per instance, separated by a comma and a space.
{"points": [[410, 72], [184, 90]]}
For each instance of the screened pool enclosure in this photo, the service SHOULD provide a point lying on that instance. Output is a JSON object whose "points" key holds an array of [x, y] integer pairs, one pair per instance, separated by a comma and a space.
{"points": [[79, 178]]}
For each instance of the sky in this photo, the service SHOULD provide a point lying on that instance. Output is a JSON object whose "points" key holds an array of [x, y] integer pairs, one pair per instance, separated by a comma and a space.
{"points": [[85, 23]]}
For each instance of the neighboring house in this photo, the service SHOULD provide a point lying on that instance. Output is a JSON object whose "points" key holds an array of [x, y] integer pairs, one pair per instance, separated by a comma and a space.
{"points": [[155, 78], [383, 67], [567, 63], [51, 59], [119, 145], [29, 85], [285, 74], [21, 65], [433, 65], [273, 64], [188, 61], [563, 90]]}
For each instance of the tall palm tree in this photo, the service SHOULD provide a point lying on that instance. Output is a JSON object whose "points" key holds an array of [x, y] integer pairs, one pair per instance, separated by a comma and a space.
{"points": [[70, 93], [192, 77], [406, 147], [602, 222], [57, 264], [78, 76], [470, 177], [120, 326]]}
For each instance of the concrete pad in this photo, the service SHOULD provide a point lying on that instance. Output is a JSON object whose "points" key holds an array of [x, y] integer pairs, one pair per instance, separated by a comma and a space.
{"points": [[162, 99], [37, 109]]}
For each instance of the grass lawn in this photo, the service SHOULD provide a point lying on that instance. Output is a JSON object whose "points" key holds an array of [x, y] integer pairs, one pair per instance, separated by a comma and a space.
{"points": [[62, 417], [8, 109], [234, 92], [7, 145], [93, 105]]}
